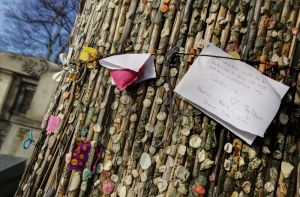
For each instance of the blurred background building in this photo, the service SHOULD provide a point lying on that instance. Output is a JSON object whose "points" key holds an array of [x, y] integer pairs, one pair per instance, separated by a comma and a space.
{"points": [[26, 89], [38, 28]]}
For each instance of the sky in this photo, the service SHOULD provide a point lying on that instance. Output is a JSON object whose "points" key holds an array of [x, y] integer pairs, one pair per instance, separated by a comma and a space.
{"points": [[2, 5], [2, 10], [35, 38]]}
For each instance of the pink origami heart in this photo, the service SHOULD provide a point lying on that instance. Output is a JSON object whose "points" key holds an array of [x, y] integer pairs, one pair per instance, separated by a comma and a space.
{"points": [[125, 77], [53, 124]]}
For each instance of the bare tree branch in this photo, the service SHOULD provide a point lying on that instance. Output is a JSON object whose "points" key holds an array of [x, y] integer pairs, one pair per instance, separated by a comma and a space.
{"points": [[38, 27]]}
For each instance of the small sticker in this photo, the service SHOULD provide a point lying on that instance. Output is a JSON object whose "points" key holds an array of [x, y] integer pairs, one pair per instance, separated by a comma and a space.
{"points": [[80, 155], [53, 124], [87, 53]]}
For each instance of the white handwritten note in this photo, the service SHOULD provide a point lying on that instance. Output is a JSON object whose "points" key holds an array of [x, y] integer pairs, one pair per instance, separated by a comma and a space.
{"points": [[232, 92]]}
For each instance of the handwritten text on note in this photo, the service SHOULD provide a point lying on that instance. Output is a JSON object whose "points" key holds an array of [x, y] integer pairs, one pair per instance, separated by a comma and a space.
{"points": [[232, 92]]}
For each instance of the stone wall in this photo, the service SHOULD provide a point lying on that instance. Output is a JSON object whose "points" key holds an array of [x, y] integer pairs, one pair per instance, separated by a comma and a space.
{"points": [[12, 145], [44, 91], [16, 72], [5, 81]]}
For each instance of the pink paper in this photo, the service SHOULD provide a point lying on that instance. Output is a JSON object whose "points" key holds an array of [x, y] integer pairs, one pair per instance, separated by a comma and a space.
{"points": [[53, 124], [125, 77]]}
